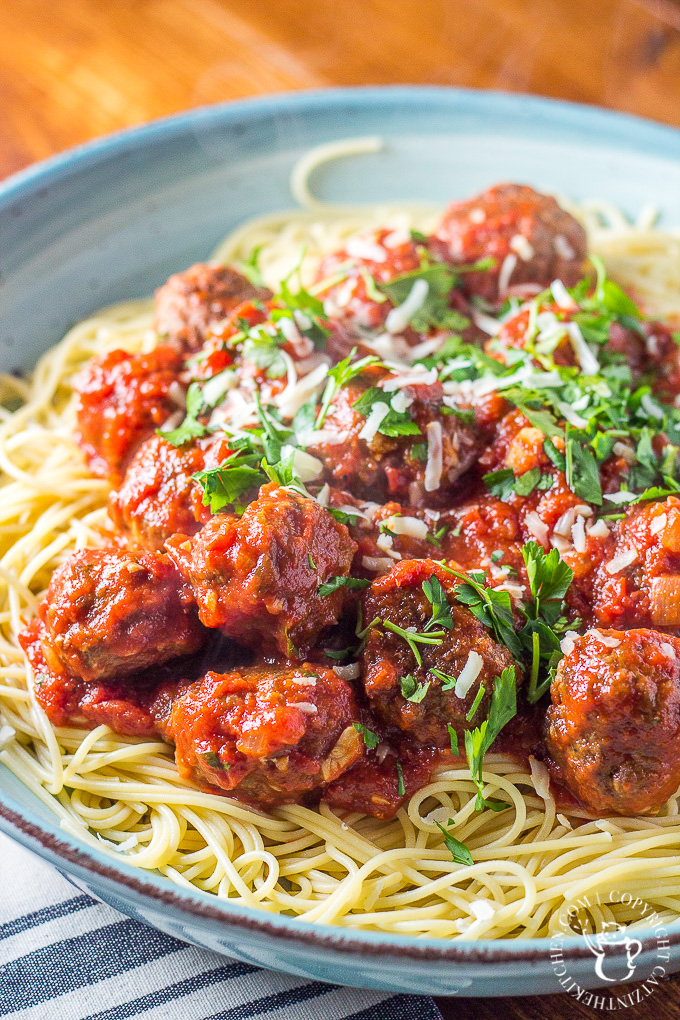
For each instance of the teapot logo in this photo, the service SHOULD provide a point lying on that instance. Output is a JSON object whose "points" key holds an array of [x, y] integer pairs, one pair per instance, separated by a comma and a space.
{"points": [[613, 935], [619, 956]]}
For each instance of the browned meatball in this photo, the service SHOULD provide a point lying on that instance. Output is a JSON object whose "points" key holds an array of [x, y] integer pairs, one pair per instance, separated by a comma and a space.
{"points": [[258, 576], [544, 241], [109, 614], [191, 303], [159, 496], [121, 399], [613, 730], [383, 466], [269, 734], [391, 671]]}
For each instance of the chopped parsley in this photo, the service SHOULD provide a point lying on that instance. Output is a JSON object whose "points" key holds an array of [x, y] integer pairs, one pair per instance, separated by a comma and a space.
{"points": [[413, 690], [476, 703], [459, 852], [339, 376], [394, 423], [435, 311], [441, 610], [401, 788], [371, 739], [191, 427], [223, 485], [503, 708], [413, 638], [335, 583]]}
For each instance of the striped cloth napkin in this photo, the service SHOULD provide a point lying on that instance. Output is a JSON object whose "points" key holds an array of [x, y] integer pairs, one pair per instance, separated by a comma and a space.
{"points": [[65, 956]]}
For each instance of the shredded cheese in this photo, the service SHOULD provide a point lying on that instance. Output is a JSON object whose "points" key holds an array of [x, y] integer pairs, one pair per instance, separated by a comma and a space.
{"points": [[468, 674], [435, 456]]}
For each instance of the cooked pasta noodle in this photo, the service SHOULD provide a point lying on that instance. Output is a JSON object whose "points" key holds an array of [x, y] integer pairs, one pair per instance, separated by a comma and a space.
{"points": [[123, 795]]}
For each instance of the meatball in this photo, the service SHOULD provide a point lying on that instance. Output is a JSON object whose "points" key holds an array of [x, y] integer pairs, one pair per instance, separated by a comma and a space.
{"points": [[108, 613], [512, 221], [121, 399], [258, 576], [417, 468], [270, 734], [191, 303], [613, 729], [380, 257], [402, 690], [638, 583], [159, 496]]}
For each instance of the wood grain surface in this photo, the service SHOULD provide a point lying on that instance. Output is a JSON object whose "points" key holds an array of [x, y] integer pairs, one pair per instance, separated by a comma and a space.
{"points": [[75, 69]]}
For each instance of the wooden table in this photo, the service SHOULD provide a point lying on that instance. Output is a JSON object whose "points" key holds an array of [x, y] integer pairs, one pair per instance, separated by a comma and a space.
{"points": [[79, 68]]}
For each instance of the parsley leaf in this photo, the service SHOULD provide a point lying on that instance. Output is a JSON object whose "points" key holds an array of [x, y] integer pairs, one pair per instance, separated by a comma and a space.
{"points": [[503, 708], [549, 578], [401, 788], [334, 583], [251, 267], [339, 376], [583, 476], [458, 850], [492, 608], [371, 739], [413, 638], [435, 311], [395, 423], [441, 610], [500, 484], [190, 428], [224, 484], [527, 482], [412, 690]]}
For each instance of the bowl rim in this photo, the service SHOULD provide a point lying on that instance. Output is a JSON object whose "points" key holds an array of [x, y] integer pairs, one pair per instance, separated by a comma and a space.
{"points": [[55, 845]]}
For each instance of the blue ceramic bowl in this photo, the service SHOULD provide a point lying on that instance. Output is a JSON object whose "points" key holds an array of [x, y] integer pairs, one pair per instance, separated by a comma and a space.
{"points": [[111, 220]]}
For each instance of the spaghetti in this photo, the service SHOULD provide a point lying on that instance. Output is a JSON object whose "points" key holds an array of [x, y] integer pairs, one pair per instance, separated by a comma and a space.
{"points": [[123, 795]]}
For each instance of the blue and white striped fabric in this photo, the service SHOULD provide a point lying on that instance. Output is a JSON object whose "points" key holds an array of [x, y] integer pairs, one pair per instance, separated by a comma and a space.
{"points": [[64, 956]]}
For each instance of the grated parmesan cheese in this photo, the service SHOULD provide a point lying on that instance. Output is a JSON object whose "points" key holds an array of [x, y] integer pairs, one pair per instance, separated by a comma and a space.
{"points": [[307, 467], [398, 318], [578, 535], [658, 524], [541, 778], [377, 564], [599, 530], [523, 247], [435, 456], [400, 402], [562, 247], [568, 642], [537, 527], [604, 639], [306, 707], [364, 248], [623, 560], [468, 674], [561, 295], [377, 415], [587, 360], [507, 269], [385, 543], [409, 526]]}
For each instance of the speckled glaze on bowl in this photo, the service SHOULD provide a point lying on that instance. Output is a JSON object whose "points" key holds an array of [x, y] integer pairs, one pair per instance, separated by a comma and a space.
{"points": [[114, 218]]}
